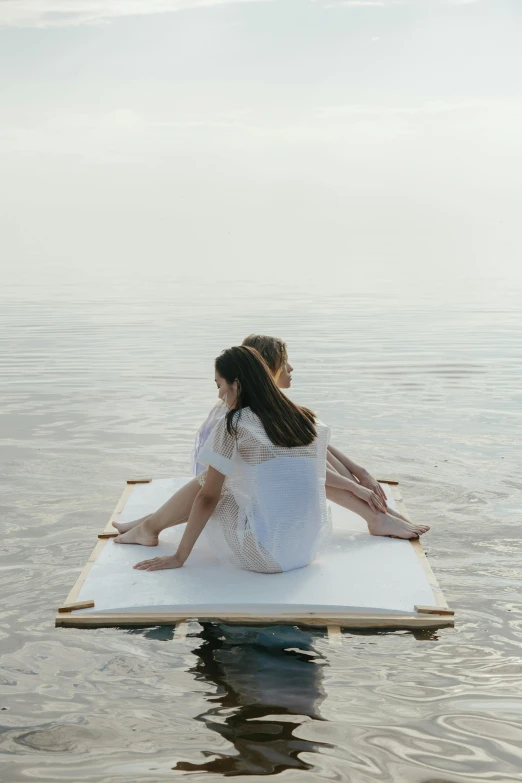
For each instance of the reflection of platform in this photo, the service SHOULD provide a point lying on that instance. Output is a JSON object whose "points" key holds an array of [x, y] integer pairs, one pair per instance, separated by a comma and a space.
{"points": [[360, 582]]}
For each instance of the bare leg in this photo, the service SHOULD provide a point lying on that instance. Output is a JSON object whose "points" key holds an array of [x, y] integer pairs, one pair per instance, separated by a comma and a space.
{"points": [[174, 512], [338, 466], [378, 524], [334, 464]]}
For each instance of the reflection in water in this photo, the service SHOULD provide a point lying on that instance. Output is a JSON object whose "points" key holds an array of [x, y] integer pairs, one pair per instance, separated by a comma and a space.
{"points": [[268, 680]]}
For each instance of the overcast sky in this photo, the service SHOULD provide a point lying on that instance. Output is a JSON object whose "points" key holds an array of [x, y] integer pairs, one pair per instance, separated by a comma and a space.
{"points": [[274, 138]]}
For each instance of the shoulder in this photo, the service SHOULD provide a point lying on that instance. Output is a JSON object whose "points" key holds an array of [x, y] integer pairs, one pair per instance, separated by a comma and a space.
{"points": [[223, 441], [248, 428], [322, 429], [245, 417], [219, 410], [248, 423]]}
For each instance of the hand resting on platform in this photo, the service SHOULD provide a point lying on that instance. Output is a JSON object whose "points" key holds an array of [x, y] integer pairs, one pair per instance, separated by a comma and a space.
{"points": [[160, 563]]}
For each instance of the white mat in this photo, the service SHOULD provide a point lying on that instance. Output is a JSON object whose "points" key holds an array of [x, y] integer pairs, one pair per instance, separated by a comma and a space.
{"points": [[358, 573]]}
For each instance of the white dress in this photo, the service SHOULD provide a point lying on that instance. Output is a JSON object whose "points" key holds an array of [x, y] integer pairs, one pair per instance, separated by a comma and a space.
{"points": [[272, 515], [216, 414]]}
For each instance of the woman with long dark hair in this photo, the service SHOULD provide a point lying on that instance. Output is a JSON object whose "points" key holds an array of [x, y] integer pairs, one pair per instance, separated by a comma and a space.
{"points": [[262, 498], [347, 483]]}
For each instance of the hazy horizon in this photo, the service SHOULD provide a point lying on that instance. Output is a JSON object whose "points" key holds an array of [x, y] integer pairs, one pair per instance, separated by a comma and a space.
{"points": [[260, 139]]}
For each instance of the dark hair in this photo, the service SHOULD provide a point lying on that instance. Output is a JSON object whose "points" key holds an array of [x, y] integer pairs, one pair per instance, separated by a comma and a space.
{"points": [[285, 423], [272, 349]]}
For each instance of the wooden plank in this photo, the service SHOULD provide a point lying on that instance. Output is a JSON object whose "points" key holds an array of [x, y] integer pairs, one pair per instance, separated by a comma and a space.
{"points": [[433, 610], [335, 635], [391, 482], [76, 605], [108, 535], [355, 620], [438, 595], [180, 632], [139, 481], [73, 595]]}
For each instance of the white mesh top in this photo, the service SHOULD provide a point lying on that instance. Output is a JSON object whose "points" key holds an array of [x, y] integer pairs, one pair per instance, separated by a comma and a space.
{"points": [[272, 515], [215, 415]]}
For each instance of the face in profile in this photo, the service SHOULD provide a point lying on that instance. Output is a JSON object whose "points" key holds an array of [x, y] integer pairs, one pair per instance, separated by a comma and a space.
{"points": [[284, 379], [227, 392]]}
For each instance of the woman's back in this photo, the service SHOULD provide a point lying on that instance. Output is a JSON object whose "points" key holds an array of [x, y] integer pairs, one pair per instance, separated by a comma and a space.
{"points": [[273, 514]]}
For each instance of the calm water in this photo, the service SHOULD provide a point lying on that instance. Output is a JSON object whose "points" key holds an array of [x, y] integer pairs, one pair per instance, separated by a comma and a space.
{"points": [[98, 385]]}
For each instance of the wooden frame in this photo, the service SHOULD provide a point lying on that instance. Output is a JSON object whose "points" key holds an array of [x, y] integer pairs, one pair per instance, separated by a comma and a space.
{"points": [[75, 592], [437, 616]]}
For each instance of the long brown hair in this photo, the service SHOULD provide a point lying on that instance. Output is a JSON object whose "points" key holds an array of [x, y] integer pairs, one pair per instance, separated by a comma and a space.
{"points": [[285, 423], [272, 349]]}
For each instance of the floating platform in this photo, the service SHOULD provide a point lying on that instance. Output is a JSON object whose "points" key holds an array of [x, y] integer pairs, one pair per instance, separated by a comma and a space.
{"points": [[361, 581]]}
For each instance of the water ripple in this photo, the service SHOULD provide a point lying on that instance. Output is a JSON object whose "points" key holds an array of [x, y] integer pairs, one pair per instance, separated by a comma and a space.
{"points": [[98, 387]]}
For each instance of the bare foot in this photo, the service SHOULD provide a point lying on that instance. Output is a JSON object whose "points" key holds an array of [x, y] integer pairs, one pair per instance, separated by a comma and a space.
{"points": [[397, 514], [123, 527], [159, 563], [388, 525], [138, 535], [406, 520]]}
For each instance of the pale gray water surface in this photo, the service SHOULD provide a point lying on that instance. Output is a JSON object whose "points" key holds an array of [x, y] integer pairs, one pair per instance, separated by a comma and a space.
{"points": [[103, 384]]}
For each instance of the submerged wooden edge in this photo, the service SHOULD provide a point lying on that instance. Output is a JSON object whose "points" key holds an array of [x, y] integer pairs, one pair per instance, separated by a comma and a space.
{"points": [[335, 635], [148, 619], [338, 620], [432, 610], [180, 631]]}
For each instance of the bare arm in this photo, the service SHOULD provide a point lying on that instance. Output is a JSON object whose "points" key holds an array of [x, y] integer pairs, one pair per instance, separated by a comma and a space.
{"points": [[361, 474], [352, 466], [202, 509], [334, 479]]}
